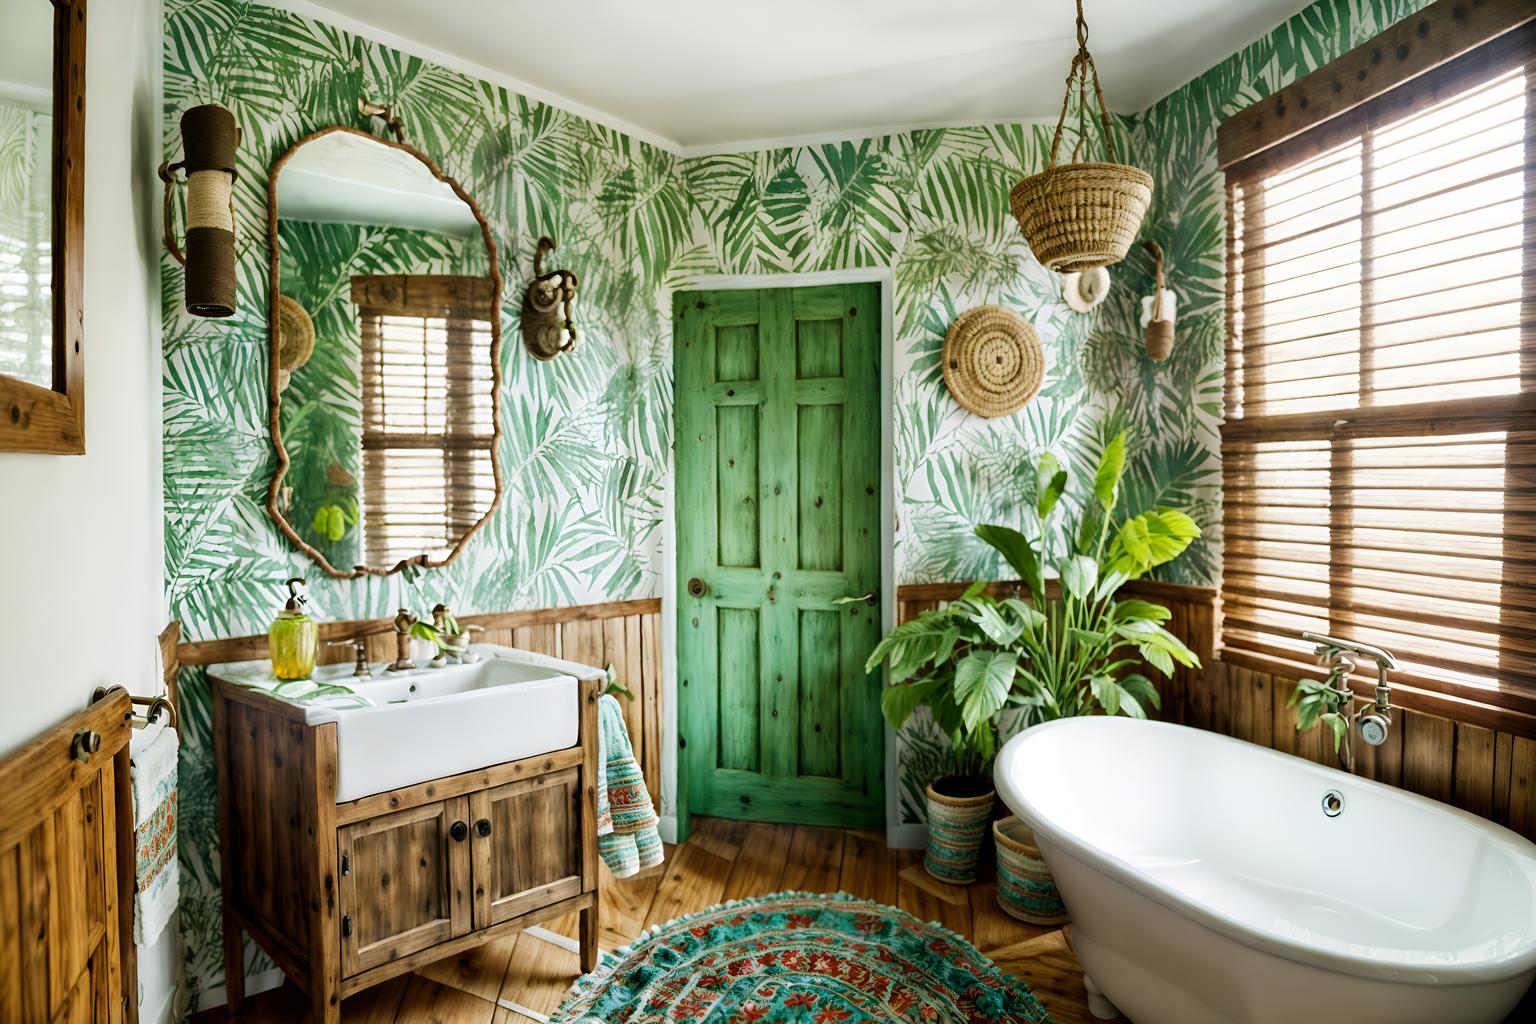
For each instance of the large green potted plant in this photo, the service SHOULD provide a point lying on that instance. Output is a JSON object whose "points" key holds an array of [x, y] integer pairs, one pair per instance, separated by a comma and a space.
{"points": [[1061, 644]]}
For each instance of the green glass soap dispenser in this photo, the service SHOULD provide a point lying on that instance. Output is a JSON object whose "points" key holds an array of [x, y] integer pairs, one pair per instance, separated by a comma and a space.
{"points": [[294, 638]]}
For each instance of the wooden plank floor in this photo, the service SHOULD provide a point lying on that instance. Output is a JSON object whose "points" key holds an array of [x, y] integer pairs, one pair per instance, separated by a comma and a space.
{"points": [[723, 860]]}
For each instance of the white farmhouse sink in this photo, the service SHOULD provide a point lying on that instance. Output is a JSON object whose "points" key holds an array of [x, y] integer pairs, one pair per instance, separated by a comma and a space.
{"points": [[401, 728]]}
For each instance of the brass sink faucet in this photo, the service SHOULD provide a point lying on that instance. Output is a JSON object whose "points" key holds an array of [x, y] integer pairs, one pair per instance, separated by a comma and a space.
{"points": [[404, 620]]}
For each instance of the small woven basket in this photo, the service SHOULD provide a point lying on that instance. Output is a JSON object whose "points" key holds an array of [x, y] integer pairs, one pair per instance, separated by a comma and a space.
{"points": [[1025, 888], [1077, 216]]}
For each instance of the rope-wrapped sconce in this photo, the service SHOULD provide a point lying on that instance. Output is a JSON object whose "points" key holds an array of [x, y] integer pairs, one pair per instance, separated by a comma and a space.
{"points": [[209, 138], [1159, 310]]}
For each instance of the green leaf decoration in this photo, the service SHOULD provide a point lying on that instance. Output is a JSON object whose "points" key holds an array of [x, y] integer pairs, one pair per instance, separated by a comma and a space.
{"points": [[1106, 479]]}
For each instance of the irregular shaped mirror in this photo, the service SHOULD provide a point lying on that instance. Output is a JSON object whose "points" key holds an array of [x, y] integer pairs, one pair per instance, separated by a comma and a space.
{"points": [[386, 334]]}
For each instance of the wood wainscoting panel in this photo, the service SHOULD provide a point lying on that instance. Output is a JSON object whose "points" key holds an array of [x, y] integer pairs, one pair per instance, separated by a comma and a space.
{"points": [[1479, 769]]}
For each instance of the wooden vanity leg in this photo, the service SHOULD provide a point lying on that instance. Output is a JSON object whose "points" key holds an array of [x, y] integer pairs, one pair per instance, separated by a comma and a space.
{"points": [[587, 930], [234, 964], [325, 1004]]}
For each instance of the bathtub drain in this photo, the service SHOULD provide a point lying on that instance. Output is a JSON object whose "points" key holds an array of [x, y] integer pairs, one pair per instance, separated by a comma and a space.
{"points": [[1333, 803]]}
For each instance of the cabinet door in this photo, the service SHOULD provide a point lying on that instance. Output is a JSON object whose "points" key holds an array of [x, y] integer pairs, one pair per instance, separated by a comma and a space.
{"points": [[527, 845], [404, 882]]}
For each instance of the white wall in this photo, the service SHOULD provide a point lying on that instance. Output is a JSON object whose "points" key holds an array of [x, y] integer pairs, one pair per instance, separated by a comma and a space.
{"points": [[80, 536]]}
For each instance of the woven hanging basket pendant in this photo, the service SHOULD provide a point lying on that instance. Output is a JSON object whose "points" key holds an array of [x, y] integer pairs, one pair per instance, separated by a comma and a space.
{"points": [[993, 361], [1080, 215]]}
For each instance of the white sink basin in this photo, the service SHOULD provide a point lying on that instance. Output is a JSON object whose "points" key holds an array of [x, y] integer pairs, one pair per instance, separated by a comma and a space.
{"points": [[401, 728]]}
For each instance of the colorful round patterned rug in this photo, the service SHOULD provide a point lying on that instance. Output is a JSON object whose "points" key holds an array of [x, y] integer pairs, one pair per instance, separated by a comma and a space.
{"points": [[800, 958]]}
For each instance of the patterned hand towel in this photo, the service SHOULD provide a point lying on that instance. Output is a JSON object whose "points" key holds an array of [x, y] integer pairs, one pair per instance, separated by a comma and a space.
{"points": [[626, 821], [154, 832]]}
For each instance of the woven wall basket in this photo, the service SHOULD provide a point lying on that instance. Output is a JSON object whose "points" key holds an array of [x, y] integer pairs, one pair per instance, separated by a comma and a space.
{"points": [[1077, 216], [295, 338], [993, 361]]}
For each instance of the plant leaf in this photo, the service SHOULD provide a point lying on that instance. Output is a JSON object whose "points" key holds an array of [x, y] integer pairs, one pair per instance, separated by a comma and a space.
{"points": [[899, 701], [1149, 540], [1019, 553], [982, 682], [1050, 484], [1080, 575], [1106, 480], [1138, 609], [1107, 692]]}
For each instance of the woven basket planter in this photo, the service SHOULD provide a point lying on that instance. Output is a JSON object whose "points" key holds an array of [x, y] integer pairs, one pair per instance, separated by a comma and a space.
{"points": [[957, 825], [1025, 888], [1081, 216]]}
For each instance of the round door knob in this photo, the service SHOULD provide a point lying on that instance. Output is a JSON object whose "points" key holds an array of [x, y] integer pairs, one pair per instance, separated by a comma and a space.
{"points": [[483, 827], [460, 831], [697, 587]]}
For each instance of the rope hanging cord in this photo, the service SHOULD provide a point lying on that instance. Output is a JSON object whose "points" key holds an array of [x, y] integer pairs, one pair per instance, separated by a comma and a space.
{"points": [[1078, 77], [1081, 214]]}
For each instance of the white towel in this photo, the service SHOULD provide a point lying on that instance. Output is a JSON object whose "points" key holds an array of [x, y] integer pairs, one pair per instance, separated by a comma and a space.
{"points": [[154, 830]]}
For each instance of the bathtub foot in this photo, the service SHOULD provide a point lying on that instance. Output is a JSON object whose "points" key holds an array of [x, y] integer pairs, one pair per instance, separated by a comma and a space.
{"points": [[1099, 1006]]}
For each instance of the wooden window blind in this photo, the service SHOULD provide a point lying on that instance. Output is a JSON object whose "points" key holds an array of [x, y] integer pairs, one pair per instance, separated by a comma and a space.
{"points": [[1379, 451], [428, 411]]}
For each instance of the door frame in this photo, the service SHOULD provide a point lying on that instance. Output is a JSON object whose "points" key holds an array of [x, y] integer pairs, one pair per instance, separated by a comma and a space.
{"points": [[675, 813]]}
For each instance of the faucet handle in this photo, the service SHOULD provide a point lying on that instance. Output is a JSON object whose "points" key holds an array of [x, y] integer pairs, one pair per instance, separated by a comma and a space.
{"points": [[359, 645]]}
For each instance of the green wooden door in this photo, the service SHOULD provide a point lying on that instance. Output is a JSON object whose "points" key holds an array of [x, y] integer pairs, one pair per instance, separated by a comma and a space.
{"points": [[778, 476]]}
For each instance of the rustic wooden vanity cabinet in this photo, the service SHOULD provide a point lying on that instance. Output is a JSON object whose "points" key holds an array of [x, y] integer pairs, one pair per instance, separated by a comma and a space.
{"points": [[342, 896]]}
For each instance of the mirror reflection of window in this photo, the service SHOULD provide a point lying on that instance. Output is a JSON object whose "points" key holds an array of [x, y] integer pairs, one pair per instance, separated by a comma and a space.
{"points": [[26, 191], [427, 419]]}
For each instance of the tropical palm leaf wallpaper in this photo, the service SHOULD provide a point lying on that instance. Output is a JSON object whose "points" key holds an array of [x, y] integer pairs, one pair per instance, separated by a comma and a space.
{"points": [[588, 436]]}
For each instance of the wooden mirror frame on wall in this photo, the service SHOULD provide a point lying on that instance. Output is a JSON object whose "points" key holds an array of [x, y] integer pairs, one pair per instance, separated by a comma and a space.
{"points": [[274, 350], [51, 420]]}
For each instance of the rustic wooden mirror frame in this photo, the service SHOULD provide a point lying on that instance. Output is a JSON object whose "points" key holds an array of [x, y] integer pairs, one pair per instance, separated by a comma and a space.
{"points": [[51, 420], [274, 346]]}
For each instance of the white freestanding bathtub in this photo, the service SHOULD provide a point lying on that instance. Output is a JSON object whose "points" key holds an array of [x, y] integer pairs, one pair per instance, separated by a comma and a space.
{"points": [[1207, 885]]}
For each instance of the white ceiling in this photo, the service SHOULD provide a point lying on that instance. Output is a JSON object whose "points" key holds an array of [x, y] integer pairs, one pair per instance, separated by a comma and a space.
{"points": [[700, 75]]}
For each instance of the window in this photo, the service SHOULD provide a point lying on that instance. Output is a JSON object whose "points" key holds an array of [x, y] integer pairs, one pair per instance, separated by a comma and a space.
{"points": [[428, 411], [1380, 448]]}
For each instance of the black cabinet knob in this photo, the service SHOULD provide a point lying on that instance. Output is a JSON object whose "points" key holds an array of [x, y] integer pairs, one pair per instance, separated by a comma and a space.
{"points": [[459, 831], [483, 827]]}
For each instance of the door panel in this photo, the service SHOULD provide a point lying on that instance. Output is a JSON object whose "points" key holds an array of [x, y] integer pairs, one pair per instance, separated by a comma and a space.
{"points": [[527, 845], [404, 883], [778, 518]]}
